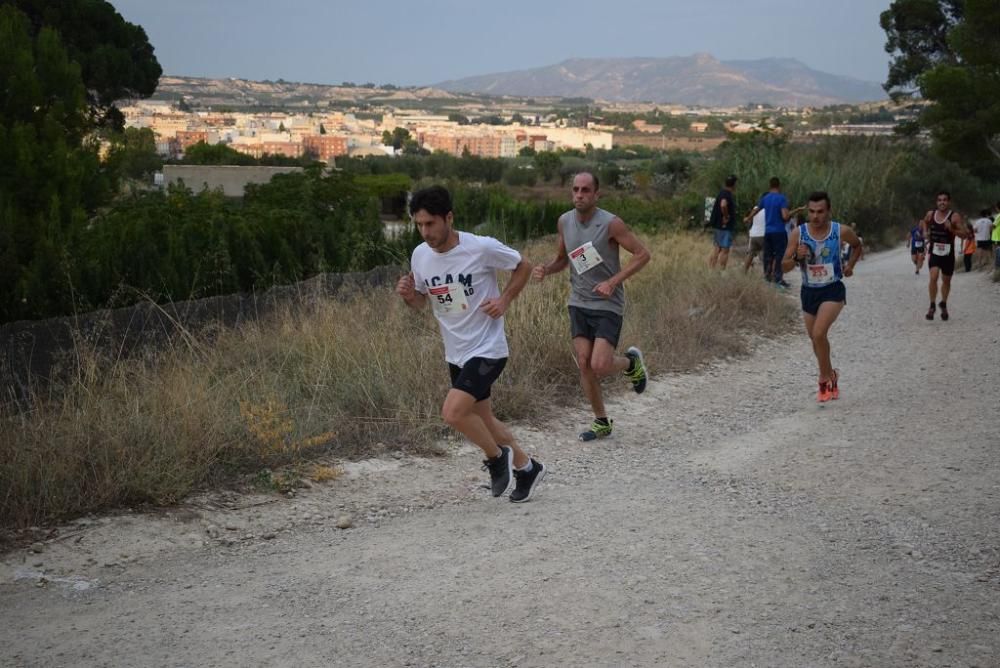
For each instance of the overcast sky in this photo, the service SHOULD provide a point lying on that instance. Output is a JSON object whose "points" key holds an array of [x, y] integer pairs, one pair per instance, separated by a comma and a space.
{"points": [[414, 42]]}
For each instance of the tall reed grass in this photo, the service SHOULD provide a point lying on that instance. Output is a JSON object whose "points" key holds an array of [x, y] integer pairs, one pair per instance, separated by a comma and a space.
{"points": [[881, 184], [340, 378]]}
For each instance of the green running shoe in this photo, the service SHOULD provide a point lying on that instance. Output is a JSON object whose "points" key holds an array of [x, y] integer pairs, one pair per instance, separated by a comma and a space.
{"points": [[638, 374], [597, 430]]}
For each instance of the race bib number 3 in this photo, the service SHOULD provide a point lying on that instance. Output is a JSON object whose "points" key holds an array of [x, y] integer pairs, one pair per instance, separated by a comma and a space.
{"points": [[941, 249], [585, 258], [819, 274], [448, 299]]}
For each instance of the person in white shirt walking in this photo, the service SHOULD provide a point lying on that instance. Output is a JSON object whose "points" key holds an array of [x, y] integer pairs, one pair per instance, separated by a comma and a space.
{"points": [[457, 273], [756, 246], [984, 238]]}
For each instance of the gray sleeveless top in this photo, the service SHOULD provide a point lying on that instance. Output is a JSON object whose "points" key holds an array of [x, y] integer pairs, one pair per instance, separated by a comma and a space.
{"points": [[575, 235]]}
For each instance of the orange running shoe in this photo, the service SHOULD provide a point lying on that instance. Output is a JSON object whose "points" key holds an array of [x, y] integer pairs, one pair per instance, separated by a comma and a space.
{"points": [[834, 390], [824, 392]]}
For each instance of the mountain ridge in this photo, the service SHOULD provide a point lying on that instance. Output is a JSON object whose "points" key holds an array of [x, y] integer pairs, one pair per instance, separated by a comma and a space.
{"points": [[699, 80]]}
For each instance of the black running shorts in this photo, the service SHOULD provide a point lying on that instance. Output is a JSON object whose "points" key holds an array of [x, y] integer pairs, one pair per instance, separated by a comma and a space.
{"points": [[946, 263], [812, 298], [476, 376], [592, 324]]}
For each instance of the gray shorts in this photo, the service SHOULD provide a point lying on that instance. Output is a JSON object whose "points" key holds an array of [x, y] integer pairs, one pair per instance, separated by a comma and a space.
{"points": [[756, 245]]}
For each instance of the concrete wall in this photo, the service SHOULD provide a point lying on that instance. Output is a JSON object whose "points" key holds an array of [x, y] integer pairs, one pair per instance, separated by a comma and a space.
{"points": [[232, 179]]}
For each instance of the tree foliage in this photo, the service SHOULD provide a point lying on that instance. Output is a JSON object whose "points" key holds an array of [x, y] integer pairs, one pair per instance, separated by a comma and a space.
{"points": [[115, 57], [133, 154], [949, 50], [547, 163], [917, 39], [50, 179]]}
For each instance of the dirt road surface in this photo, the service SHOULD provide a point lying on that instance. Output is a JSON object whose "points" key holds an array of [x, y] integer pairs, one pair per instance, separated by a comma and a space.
{"points": [[730, 521]]}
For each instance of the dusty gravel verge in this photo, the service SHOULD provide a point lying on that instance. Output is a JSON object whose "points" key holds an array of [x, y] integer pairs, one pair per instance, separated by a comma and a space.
{"points": [[730, 522]]}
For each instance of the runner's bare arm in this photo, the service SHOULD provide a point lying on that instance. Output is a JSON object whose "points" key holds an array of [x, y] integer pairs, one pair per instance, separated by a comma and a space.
{"points": [[792, 252], [620, 233], [753, 212], [406, 288], [724, 208], [958, 226], [852, 238], [518, 279], [560, 262]]}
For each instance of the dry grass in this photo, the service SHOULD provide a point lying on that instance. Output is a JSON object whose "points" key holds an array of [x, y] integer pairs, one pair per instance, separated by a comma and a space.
{"points": [[340, 378]]}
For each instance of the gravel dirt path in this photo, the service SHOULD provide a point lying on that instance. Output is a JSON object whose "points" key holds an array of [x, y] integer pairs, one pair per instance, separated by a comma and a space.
{"points": [[730, 521]]}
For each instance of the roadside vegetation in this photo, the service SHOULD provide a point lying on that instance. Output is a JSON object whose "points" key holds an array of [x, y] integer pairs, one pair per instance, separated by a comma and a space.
{"points": [[331, 380]]}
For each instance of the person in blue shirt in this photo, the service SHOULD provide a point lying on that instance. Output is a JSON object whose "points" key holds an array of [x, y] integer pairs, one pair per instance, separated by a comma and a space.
{"points": [[917, 246], [815, 248], [776, 212]]}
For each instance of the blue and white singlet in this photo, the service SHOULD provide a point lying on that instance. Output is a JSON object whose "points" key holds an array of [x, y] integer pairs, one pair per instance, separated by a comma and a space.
{"points": [[823, 266]]}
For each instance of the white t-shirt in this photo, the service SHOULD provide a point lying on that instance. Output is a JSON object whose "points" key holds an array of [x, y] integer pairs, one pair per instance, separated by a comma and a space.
{"points": [[982, 227], [456, 284], [758, 224]]}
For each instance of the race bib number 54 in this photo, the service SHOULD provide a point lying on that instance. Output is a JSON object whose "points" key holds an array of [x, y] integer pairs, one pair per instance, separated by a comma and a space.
{"points": [[448, 299], [585, 258], [941, 249]]}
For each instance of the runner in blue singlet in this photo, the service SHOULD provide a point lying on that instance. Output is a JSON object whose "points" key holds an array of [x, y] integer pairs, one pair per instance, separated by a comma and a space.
{"points": [[815, 247], [917, 245]]}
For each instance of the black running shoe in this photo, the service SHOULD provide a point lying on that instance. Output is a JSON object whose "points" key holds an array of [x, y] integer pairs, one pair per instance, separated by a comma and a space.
{"points": [[527, 481], [501, 470], [638, 374], [944, 310], [930, 313]]}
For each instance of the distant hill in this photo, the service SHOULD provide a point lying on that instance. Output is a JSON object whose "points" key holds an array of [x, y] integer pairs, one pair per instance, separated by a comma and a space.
{"points": [[700, 79], [244, 92]]}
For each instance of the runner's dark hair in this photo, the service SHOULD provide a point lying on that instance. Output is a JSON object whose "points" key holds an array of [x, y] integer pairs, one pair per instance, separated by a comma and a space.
{"points": [[820, 196], [435, 200]]}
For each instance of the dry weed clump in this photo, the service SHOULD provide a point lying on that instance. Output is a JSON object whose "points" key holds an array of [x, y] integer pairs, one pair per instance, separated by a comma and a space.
{"points": [[341, 378]]}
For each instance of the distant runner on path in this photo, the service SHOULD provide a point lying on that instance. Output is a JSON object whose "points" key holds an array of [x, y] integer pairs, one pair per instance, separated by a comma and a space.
{"points": [[457, 273], [815, 247], [917, 246], [589, 239], [941, 225]]}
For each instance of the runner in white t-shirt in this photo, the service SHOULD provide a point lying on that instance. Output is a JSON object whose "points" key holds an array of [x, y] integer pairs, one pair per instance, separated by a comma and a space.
{"points": [[457, 273]]}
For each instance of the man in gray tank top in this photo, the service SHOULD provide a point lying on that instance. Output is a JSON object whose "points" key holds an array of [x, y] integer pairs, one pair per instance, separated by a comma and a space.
{"points": [[589, 239]]}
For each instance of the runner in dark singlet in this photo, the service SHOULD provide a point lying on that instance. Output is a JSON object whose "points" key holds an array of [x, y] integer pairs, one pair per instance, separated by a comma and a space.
{"points": [[940, 227]]}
